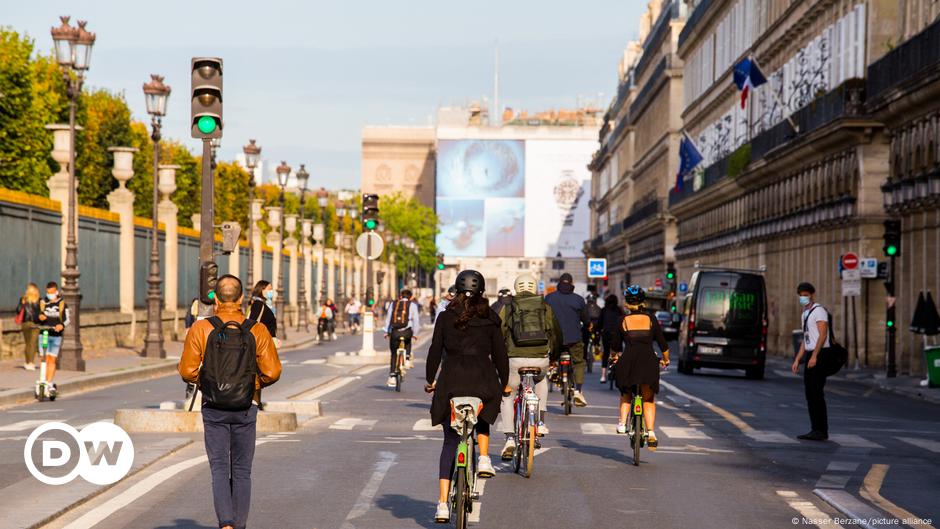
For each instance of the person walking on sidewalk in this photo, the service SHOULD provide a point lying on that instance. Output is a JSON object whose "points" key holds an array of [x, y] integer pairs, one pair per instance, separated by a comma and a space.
{"points": [[230, 358], [27, 315], [815, 321], [53, 312], [531, 332], [570, 310], [262, 309], [353, 315]]}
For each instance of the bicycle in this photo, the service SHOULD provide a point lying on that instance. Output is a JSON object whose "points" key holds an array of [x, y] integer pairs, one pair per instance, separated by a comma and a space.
{"points": [[526, 421], [43, 388], [611, 362], [400, 363], [592, 350], [567, 382], [637, 426], [464, 412]]}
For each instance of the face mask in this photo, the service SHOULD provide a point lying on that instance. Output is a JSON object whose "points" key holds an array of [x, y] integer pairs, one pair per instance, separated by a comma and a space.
{"points": [[804, 301], [52, 296], [269, 294]]}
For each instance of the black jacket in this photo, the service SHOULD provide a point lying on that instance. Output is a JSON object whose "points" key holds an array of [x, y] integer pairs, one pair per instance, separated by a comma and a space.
{"points": [[261, 313], [473, 363], [31, 312], [611, 318]]}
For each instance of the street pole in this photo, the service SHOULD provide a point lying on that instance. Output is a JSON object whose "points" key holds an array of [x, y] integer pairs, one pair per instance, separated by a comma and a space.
{"points": [[207, 214], [283, 172], [891, 330], [153, 341], [71, 357], [302, 321], [368, 325]]}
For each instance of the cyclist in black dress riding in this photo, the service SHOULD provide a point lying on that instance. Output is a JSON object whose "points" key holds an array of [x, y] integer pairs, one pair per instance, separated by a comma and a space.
{"points": [[638, 363]]}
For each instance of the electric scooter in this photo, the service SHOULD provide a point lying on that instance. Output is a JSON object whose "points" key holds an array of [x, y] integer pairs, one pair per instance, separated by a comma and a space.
{"points": [[44, 389]]}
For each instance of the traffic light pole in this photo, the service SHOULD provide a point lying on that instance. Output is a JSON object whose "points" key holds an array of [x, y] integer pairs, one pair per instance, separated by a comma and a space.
{"points": [[891, 323], [206, 218], [368, 325]]}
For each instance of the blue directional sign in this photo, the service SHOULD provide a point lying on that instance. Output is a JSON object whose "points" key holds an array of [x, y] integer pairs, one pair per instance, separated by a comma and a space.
{"points": [[597, 268], [683, 287]]}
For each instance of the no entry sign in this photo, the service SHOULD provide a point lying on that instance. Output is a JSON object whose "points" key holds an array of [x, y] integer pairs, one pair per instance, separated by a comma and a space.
{"points": [[849, 261]]}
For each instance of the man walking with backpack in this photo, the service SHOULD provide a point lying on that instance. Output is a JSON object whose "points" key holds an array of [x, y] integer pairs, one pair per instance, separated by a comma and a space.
{"points": [[531, 333], [230, 358], [403, 322]]}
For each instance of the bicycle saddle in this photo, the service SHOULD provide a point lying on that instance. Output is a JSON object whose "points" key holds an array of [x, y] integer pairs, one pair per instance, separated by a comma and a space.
{"points": [[523, 371]]}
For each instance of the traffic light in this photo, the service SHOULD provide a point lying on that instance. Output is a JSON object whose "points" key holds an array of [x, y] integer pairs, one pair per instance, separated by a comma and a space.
{"points": [[208, 277], [440, 261], [370, 297], [892, 247], [889, 319], [206, 115], [670, 271], [370, 211]]}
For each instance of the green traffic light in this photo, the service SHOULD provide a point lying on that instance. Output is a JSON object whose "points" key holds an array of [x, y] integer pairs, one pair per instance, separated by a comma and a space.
{"points": [[371, 224], [889, 323], [670, 276], [211, 294], [440, 266], [206, 124], [891, 250]]}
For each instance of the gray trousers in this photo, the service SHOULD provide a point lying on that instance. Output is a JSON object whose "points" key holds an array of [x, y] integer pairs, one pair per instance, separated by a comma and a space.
{"points": [[541, 389], [230, 446]]}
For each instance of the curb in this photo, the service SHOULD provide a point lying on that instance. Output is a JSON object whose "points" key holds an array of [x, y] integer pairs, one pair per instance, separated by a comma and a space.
{"points": [[14, 397], [859, 512]]}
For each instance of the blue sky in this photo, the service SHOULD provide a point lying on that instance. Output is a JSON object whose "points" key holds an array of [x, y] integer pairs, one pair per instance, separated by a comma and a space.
{"points": [[305, 77]]}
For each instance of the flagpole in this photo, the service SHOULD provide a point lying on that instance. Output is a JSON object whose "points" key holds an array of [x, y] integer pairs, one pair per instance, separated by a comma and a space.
{"points": [[773, 92]]}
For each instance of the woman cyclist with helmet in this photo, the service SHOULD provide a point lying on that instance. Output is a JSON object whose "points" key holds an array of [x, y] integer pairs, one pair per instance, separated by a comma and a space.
{"points": [[469, 348], [638, 364]]}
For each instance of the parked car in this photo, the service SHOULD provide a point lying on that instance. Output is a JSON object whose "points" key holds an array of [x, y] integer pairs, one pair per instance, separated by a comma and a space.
{"points": [[661, 305], [725, 323]]}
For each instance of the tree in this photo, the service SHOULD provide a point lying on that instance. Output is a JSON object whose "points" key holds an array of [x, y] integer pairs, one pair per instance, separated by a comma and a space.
{"points": [[106, 122], [231, 194], [406, 217], [172, 152]]}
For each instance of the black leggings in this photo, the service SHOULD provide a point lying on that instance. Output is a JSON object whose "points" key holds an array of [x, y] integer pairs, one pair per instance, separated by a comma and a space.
{"points": [[449, 450], [608, 340]]}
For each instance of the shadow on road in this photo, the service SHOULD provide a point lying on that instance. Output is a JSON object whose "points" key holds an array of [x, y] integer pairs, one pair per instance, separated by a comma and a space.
{"points": [[612, 454], [186, 524], [404, 507]]}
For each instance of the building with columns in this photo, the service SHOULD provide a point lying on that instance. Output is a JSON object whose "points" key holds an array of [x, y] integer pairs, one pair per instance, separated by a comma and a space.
{"points": [[399, 160]]}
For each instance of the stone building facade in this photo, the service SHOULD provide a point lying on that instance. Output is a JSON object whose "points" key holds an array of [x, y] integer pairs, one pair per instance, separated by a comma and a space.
{"points": [[399, 160]]}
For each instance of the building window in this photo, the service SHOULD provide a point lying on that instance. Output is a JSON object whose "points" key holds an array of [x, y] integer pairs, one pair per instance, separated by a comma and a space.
{"points": [[523, 265], [558, 264]]}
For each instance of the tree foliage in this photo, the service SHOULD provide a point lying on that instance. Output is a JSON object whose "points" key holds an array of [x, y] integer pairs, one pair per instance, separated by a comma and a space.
{"points": [[106, 122], [406, 217]]}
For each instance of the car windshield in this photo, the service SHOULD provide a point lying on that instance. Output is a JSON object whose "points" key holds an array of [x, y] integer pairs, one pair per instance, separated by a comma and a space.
{"points": [[730, 301]]}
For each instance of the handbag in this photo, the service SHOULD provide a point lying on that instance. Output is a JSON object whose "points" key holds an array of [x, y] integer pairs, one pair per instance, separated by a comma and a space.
{"points": [[20, 316], [832, 358]]}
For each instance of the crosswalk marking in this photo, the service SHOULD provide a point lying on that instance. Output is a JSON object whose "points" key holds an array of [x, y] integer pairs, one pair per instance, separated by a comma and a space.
{"points": [[312, 361], [832, 481], [676, 432], [424, 425], [853, 441], [926, 444], [350, 423], [842, 466], [770, 436], [597, 428], [22, 425]]}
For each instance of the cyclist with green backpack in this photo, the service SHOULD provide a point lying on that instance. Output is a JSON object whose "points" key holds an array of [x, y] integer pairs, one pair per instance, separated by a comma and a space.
{"points": [[531, 332]]}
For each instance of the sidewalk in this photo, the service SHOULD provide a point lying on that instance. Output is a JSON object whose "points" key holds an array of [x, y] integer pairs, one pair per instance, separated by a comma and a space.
{"points": [[904, 385], [107, 367]]}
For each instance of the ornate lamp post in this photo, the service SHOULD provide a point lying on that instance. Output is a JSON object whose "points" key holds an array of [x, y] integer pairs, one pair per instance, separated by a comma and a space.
{"points": [[283, 171], [73, 53], [323, 198], [155, 93], [302, 176], [252, 154], [339, 239]]}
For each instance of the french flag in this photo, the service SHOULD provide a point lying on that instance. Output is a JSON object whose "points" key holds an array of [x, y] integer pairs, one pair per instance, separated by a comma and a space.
{"points": [[747, 76]]}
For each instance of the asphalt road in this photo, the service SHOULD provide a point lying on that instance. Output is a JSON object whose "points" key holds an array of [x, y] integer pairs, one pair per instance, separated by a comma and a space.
{"points": [[728, 457]]}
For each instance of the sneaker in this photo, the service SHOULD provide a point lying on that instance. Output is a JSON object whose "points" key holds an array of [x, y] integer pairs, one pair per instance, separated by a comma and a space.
{"points": [[542, 429], [29, 366], [485, 467], [409, 364], [651, 441], [334, 336], [621, 428], [392, 381], [443, 513], [603, 379], [52, 390], [579, 400], [813, 436], [508, 449]]}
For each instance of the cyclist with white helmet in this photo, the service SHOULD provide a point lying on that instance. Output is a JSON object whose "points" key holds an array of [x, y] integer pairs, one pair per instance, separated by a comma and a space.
{"points": [[638, 364], [531, 333]]}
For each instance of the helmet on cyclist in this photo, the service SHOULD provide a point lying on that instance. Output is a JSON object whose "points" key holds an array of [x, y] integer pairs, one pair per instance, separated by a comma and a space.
{"points": [[634, 295], [470, 282], [452, 290], [504, 292], [525, 283]]}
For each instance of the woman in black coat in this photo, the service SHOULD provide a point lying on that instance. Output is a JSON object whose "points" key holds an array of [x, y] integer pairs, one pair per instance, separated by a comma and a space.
{"points": [[469, 347], [260, 310], [609, 329]]}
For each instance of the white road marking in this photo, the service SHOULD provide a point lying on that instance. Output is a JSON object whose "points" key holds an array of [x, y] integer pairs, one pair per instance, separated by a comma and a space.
{"points": [[770, 436], [832, 481], [926, 444], [597, 428], [366, 497], [349, 423], [806, 508], [327, 388], [39, 410], [727, 415], [850, 506], [22, 425], [853, 441], [842, 466], [424, 425], [313, 361], [676, 432]]}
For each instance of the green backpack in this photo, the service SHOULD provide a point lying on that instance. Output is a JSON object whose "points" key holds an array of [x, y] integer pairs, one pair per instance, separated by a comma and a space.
{"points": [[527, 322]]}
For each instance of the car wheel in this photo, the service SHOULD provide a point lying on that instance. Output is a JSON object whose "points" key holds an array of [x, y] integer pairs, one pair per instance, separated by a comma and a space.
{"points": [[755, 373], [685, 367]]}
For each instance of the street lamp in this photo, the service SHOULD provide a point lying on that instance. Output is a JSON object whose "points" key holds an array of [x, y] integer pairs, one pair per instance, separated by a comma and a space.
{"points": [[302, 176], [339, 239], [283, 171], [323, 198], [73, 54], [252, 154], [155, 93]]}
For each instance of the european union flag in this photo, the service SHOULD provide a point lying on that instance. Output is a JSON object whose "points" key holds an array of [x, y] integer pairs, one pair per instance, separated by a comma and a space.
{"points": [[689, 158], [747, 76]]}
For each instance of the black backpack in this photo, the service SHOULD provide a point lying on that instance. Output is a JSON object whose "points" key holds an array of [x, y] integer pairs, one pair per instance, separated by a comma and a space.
{"points": [[527, 321], [229, 366], [401, 310], [835, 356]]}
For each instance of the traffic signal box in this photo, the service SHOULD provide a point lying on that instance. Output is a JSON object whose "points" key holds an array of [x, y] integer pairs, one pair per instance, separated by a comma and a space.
{"points": [[208, 278], [370, 212], [206, 105]]}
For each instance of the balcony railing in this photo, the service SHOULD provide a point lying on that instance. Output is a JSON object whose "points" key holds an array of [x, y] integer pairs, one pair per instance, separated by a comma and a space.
{"points": [[909, 60], [648, 210]]}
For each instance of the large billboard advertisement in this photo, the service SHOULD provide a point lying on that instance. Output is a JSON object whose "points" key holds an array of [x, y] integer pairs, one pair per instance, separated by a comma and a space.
{"points": [[513, 198]]}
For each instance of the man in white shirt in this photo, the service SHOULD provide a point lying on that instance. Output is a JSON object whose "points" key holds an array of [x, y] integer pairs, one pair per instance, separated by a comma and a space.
{"points": [[815, 321]]}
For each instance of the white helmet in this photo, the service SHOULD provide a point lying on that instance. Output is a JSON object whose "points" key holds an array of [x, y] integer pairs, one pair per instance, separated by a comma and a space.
{"points": [[525, 283]]}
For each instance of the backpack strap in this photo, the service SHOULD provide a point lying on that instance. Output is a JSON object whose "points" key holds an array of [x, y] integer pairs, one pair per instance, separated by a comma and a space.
{"points": [[216, 322], [247, 324]]}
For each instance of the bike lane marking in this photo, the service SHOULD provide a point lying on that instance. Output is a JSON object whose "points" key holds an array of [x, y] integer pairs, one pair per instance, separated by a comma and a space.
{"points": [[366, 498], [736, 421]]}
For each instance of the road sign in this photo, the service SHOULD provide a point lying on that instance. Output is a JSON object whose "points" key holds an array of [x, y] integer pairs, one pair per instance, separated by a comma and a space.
{"points": [[597, 268], [659, 282], [369, 245], [853, 274], [869, 267], [851, 288], [849, 261], [683, 287]]}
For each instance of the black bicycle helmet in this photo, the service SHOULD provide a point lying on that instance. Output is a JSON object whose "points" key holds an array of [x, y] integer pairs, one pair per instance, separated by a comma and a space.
{"points": [[503, 292], [634, 295], [471, 282]]}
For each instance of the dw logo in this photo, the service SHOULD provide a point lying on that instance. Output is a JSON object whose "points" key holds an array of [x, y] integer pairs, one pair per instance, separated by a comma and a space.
{"points": [[105, 453]]}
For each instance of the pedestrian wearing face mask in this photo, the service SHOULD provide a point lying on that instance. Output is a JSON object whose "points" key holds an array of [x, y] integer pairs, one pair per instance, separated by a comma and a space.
{"points": [[816, 337], [262, 306], [55, 314]]}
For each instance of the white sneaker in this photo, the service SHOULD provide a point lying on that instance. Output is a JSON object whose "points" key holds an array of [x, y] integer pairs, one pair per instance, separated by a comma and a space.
{"points": [[579, 400], [392, 381], [334, 336], [542, 429], [621, 428], [409, 364], [443, 513], [29, 366], [508, 449], [485, 467]]}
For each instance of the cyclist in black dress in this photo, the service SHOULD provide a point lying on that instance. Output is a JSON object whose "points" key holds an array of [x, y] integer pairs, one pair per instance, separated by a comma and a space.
{"points": [[638, 363]]}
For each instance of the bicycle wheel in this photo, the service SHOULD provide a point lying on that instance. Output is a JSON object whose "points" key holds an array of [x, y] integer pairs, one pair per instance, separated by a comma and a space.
{"points": [[530, 451], [637, 438], [516, 454], [461, 498], [569, 396]]}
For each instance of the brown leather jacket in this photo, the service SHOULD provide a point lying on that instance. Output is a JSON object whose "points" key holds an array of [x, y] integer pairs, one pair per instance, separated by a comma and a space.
{"points": [[269, 365]]}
